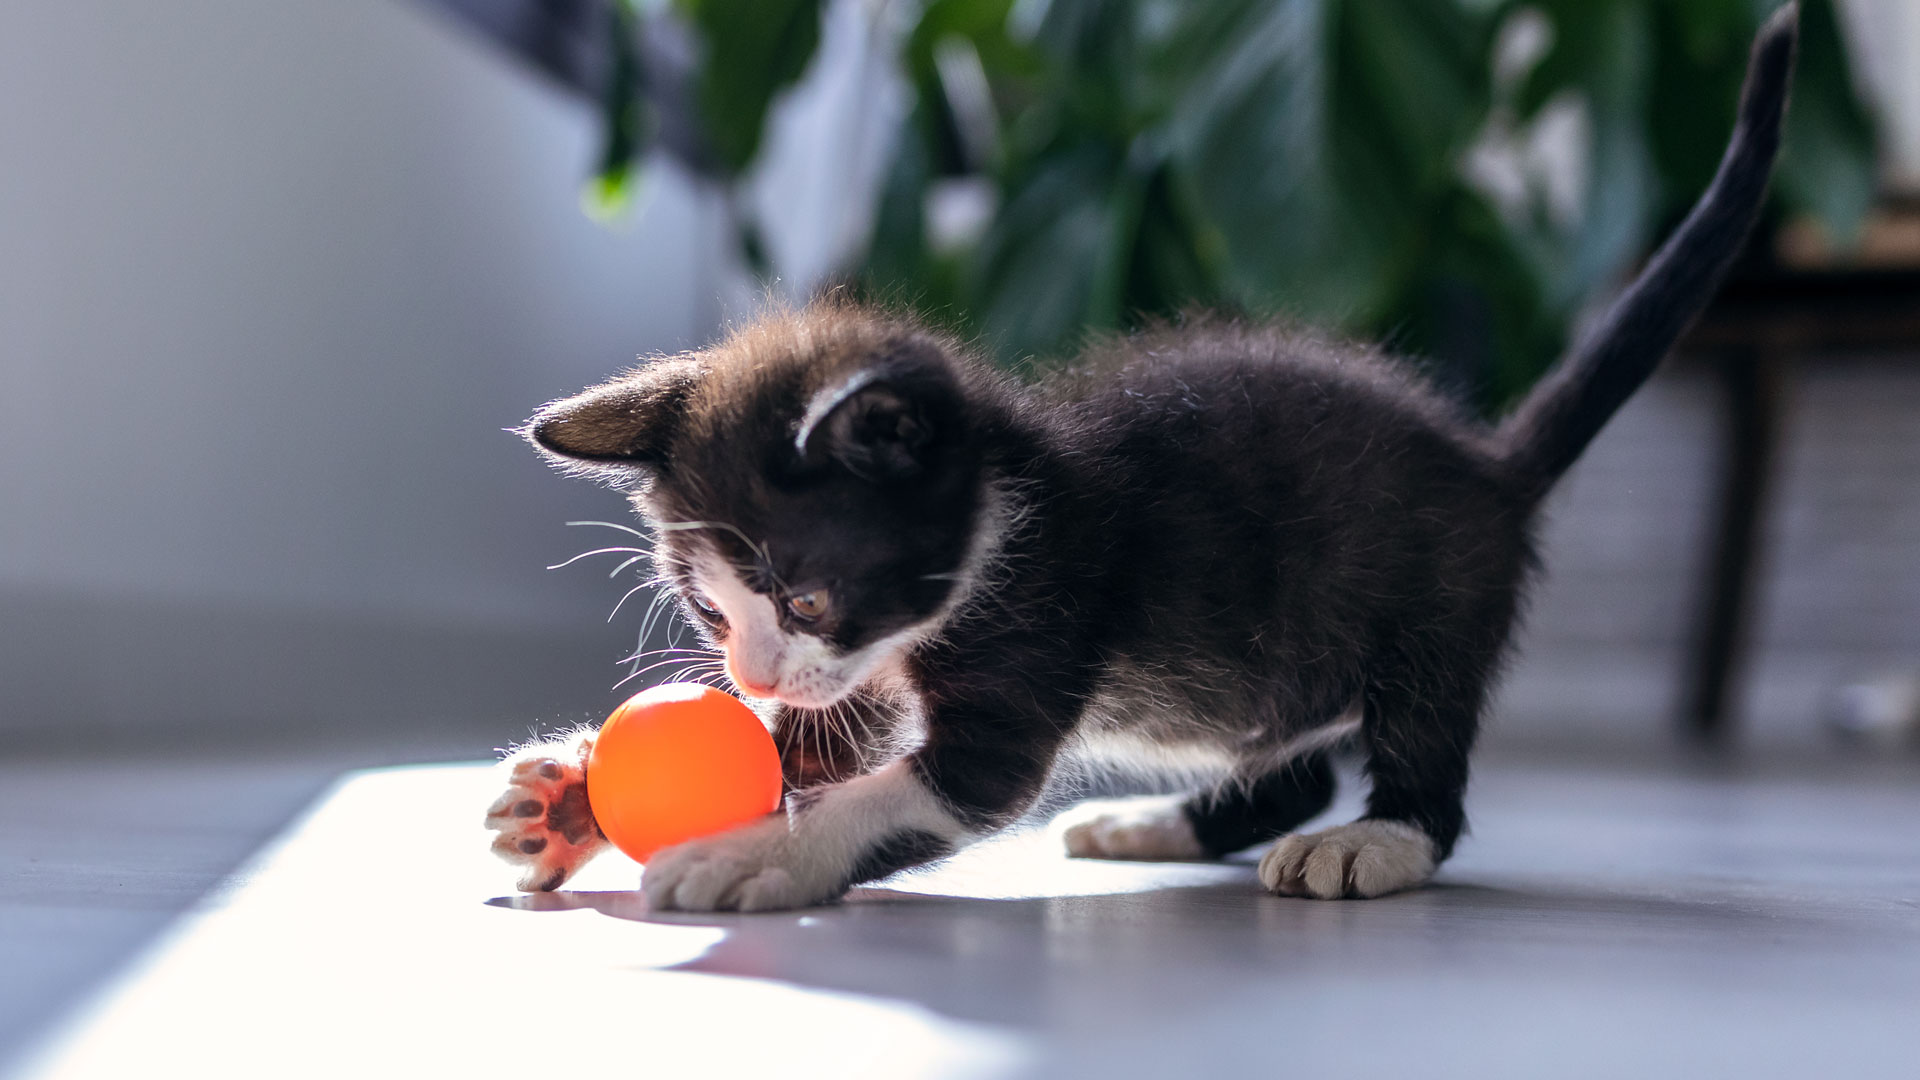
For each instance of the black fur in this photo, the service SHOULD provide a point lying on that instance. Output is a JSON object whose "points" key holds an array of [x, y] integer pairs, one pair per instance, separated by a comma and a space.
{"points": [[895, 853], [1213, 536], [1239, 816]]}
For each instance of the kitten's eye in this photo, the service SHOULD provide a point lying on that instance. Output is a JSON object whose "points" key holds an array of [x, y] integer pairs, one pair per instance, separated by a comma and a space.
{"points": [[809, 605], [706, 606]]}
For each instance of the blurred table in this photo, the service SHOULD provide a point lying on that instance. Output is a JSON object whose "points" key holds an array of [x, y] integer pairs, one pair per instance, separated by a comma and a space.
{"points": [[1805, 304]]}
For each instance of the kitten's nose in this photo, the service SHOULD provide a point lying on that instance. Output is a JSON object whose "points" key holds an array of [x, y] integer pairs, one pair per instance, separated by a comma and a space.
{"points": [[748, 686], [753, 689]]}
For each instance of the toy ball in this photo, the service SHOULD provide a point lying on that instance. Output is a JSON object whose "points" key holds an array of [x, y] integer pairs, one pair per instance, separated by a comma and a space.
{"points": [[679, 761]]}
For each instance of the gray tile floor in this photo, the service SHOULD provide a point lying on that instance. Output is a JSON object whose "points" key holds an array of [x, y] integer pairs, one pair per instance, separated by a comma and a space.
{"points": [[1603, 920], [97, 857]]}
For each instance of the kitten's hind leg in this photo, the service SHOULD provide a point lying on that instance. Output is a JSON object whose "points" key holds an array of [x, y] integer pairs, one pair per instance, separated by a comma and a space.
{"points": [[1146, 827], [1418, 729], [1208, 825], [1238, 816]]}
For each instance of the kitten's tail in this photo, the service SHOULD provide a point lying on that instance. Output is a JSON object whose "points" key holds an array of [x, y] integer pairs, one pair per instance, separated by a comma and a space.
{"points": [[1550, 428]]}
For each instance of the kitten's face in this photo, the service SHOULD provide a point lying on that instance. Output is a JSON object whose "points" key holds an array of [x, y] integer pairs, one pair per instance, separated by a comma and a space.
{"points": [[813, 490], [814, 593]]}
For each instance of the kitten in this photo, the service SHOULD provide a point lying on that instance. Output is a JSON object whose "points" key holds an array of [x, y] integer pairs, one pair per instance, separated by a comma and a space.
{"points": [[1215, 542]]}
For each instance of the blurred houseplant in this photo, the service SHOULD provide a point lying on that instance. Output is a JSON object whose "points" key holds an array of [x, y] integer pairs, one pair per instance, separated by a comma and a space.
{"points": [[1304, 157]]}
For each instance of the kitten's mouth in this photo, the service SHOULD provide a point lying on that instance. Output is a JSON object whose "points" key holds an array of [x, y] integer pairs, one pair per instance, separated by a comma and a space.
{"points": [[804, 686], [807, 701], [786, 695], [792, 696]]}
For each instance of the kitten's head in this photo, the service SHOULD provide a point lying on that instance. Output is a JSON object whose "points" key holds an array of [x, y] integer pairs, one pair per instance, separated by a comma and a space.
{"points": [[814, 483]]}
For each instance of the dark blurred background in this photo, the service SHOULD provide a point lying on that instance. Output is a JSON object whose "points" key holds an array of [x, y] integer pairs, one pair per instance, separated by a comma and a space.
{"points": [[273, 279]]}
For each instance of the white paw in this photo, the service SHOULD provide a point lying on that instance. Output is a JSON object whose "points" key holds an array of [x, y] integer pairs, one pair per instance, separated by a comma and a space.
{"points": [[1153, 827], [543, 820], [1364, 859], [756, 867]]}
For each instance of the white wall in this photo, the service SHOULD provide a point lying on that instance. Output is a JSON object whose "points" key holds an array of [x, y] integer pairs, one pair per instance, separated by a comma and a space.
{"points": [[273, 276], [1885, 38]]}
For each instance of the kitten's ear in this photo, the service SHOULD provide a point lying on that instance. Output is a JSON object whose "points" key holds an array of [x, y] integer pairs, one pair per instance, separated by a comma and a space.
{"points": [[619, 426], [893, 421]]}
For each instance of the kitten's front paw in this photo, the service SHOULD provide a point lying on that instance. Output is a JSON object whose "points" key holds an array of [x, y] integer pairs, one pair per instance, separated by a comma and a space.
{"points": [[1363, 859], [1152, 827], [756, 867], [543, 818]]}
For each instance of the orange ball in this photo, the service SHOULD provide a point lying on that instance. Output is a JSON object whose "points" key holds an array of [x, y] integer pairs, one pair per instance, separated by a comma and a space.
{"points": [[678, 761]]}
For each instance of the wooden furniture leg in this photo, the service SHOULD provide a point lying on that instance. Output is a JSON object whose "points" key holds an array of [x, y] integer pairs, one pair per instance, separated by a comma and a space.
{"points": [[1753, 381]]}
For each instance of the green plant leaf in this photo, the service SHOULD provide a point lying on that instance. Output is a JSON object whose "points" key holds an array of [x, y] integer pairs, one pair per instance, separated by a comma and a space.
{"points": [[613, 192], [1603, 53], [1253, 134], [753, 49], [1046, 268], [1422, 69], [1830, 163], [1317, 133], [1303, 156]]}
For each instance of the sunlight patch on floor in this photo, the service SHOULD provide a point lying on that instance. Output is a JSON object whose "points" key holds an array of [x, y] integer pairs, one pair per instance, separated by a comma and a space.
{"points": [[362, 941]]}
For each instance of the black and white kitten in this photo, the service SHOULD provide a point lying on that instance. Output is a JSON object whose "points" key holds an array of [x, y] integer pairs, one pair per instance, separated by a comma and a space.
{"points": [[1215, 541]]}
